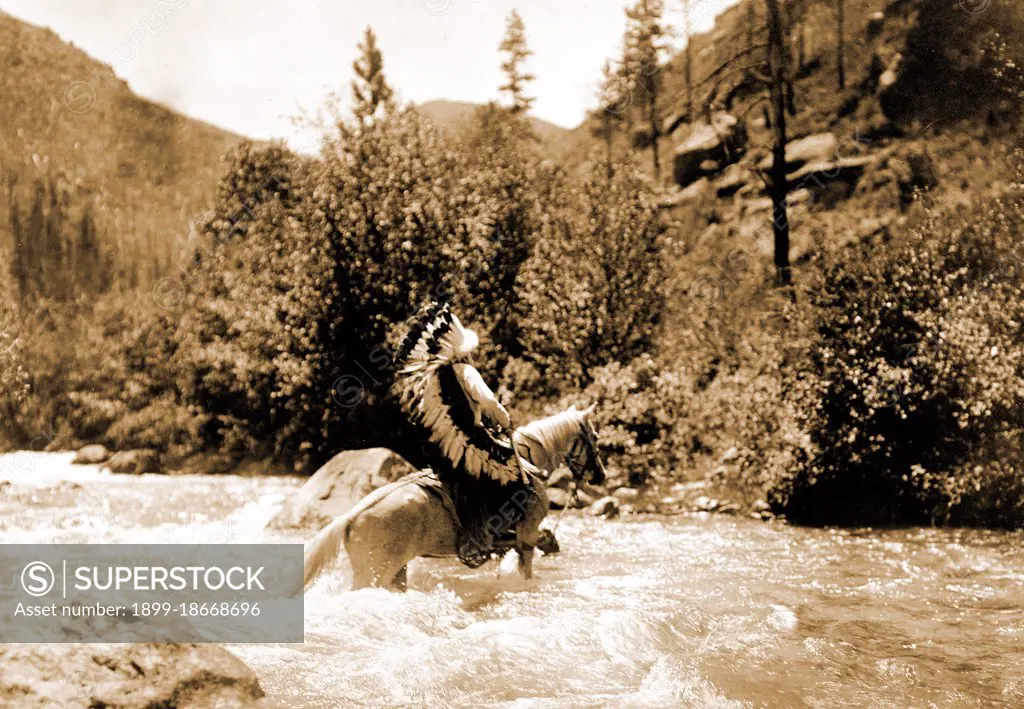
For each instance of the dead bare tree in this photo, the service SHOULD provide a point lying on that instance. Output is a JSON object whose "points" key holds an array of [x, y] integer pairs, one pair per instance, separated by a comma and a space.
{"points": [[748, 73], [779, 188]]}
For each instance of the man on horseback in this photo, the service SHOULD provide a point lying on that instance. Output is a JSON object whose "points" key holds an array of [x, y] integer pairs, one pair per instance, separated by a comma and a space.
{"points": [[467, 430]]}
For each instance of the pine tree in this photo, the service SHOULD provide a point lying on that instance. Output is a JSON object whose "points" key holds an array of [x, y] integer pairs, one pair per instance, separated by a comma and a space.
{"points": [[19, 255], [35, 233], [613, 102], [370, 90], [514, 46], [841, 43], [643, 50], [688, 56], [89, 263]]}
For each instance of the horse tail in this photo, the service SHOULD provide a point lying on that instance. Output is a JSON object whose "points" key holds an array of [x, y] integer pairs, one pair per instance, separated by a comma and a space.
{"points": [[323, 549]]}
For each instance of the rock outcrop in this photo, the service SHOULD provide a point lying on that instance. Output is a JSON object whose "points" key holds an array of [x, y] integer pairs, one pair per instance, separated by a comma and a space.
{"points": [[133, 676], [812, 148], [708, 148]]}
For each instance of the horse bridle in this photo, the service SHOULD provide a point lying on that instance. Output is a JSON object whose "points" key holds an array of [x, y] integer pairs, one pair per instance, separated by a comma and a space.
{"points": [[590, 446]]}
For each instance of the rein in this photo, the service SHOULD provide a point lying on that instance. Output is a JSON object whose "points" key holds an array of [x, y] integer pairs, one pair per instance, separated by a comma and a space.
{"points": [[573, 495]]}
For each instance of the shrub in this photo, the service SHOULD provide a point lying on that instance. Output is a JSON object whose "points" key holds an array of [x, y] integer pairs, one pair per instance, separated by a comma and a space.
{"points": [[274, 341], [591, 291], [640, 415], [14, 382], [313, 263], [911, 393], [247, 345]]}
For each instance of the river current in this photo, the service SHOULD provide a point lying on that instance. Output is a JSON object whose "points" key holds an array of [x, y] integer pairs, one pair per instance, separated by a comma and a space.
{"points": [[646, 611]]}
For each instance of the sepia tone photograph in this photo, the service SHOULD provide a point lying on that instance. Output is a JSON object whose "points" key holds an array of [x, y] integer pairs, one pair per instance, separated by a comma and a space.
{"points": [[527, 354]]}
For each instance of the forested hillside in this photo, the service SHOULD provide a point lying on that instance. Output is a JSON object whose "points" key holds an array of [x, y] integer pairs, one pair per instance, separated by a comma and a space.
{"points": [[83, 153]]}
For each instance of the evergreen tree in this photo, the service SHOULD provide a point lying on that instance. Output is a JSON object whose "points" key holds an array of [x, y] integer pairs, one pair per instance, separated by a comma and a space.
{"points": [[688, 56], [644, 47], [841, 43], [514, 46], [370, 90], [613, 102], [35, 230], [19, 256]]}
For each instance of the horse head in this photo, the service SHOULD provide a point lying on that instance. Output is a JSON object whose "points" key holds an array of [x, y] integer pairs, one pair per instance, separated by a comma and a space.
{"points": [[568, 437], [584, 457]]}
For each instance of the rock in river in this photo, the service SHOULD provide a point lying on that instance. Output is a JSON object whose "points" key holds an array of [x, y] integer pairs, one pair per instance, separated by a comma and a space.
{"points": [[338, 485], [126, 676], [606, 507], [626, 494], [134, 462], [91, 455]]}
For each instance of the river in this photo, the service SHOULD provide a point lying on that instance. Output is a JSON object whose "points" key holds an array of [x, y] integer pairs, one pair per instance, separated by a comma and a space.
{"points": [[641, 612]]}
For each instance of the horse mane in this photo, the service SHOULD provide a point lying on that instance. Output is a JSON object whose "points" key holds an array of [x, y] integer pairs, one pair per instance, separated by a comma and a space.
{"points": [[555, 432]]}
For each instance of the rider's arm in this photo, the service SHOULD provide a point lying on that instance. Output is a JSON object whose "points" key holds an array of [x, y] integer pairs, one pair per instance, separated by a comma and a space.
{"points": [[480, 396]]}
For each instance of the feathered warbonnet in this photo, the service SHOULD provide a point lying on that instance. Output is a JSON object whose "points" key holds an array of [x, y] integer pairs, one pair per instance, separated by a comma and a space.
{"points": [[440, 391]]}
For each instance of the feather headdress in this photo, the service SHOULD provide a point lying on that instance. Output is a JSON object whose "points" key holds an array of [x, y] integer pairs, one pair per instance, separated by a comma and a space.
{"points": [[432, 393]]}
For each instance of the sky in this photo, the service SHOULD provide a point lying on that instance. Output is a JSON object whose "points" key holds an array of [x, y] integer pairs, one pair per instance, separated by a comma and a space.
{"points": [[254, 66]]}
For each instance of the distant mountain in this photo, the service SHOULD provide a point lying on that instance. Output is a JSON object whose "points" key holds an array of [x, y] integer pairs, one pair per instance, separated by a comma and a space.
{"points": [[451, 115], [61, 111]]}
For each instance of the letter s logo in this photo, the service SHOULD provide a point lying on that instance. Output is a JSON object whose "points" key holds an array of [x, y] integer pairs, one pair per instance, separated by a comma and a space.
{"points": [[37, 579]]}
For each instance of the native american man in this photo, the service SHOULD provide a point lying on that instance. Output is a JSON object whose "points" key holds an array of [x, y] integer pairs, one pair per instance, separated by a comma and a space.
{"points": [[445, 396]]}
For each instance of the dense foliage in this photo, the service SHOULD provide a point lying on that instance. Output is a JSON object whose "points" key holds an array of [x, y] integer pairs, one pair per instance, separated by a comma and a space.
{"points": [[274, 341], [900, 396]]}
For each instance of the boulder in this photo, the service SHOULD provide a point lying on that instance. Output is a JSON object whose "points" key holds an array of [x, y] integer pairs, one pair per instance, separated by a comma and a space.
{"points": [[732, 181], [684, 488], [875, 24], [714, 144], [822, 172], [695, 193], [607, 507], [126, 676], [547, 542], [134, 462], [819, 147], [558, 499], [583, 500], [338, 485], [91, 455], [706, 504], [626, 494], [672, 123], [561, 479], [729, 508]]}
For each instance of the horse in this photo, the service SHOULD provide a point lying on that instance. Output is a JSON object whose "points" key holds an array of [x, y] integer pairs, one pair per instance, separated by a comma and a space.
{"points": [[414, 516]]}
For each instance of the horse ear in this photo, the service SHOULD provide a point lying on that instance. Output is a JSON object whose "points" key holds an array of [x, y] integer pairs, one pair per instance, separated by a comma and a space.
{"points": [[589, 410]]}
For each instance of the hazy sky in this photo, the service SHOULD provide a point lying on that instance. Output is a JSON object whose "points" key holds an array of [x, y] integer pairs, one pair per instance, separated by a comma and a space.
{"points": [[253, 66]]}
